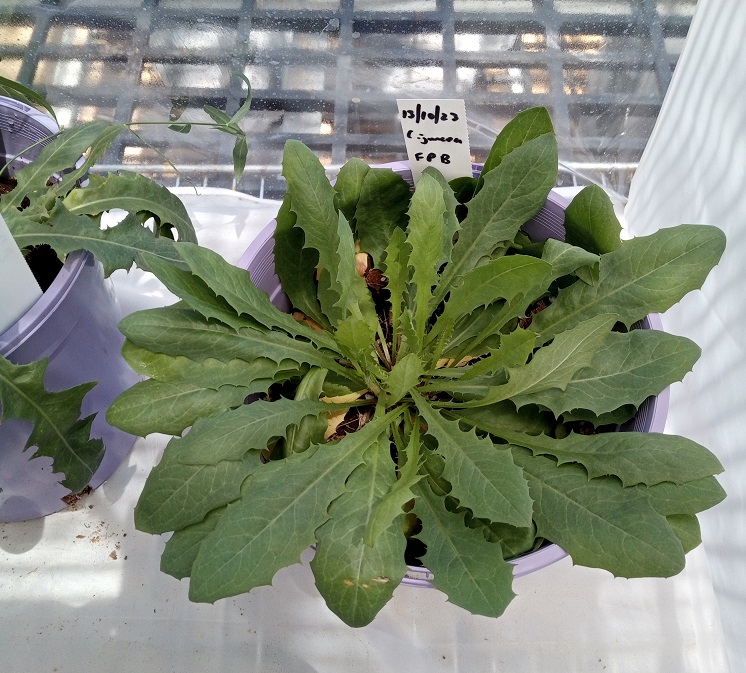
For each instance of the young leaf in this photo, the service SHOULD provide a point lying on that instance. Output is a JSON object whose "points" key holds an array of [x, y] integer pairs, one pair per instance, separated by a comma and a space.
{"points": [[296, 265], [392, 504], [513, 193], [590, 221], [467, 568], [135, 194], [626, 370], [645, 275], [274, 521], [326, 231], [482, 475], [311, 427], [451, 225], [218, 116], [395, 266], [670, 499], [405, 375], [524, 127], [348, 186], [56, 157], [18, 91], [598, 522], [242, 111], [425, 238], [57, 431], [355, 579], [381, 210], [502, 278], [552, 366]]}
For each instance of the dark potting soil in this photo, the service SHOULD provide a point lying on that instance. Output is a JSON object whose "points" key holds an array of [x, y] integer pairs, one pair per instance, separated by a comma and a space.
{"points": [[44, 264], [42, 260]]}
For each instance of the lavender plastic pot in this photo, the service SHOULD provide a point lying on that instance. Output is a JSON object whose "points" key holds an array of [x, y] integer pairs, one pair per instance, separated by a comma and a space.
{"points": [[549, 222], [74, 325]]}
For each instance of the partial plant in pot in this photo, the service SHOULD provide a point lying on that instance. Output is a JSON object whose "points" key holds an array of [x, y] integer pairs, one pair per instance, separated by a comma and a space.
{"points": [[59, 363], [443, 380]]}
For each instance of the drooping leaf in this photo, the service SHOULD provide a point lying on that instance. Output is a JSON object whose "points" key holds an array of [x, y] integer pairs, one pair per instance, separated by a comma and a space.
{"points": [[590, 221], [513, 193], [690, 498], [635, 458], [686, 528], [598, 522], [281, 506], [116, 248], [483, 476], [175, 330], [178, 495], [626, 370], [58, 432], [381, 210], [240, 152], [182, 547], [135, 194], [251, 426], [645, 275], [467, 568], [355, 579]]}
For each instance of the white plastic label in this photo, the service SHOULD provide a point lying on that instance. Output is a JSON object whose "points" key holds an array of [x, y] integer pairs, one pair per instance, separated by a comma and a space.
{"points": [[435, 134], [19, 290]]}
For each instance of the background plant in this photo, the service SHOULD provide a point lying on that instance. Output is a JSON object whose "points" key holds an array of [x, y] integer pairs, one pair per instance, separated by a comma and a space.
{"points": [[419, 314], [48, 206]]}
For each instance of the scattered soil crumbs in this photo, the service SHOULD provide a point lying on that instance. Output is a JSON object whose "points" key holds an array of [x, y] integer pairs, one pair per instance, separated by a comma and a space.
{"points": [[72, 499]]}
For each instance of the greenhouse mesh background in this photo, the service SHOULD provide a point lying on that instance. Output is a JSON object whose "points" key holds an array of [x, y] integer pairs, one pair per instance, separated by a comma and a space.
{"points": [[330, 75]]}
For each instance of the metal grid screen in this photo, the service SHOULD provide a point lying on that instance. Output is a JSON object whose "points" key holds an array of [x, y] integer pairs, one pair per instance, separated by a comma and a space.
{"points": [[328, 72]]}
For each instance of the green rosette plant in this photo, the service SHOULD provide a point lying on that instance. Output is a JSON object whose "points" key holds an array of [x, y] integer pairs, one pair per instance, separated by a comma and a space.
{"points": [[443, 382], [54, 206]]}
